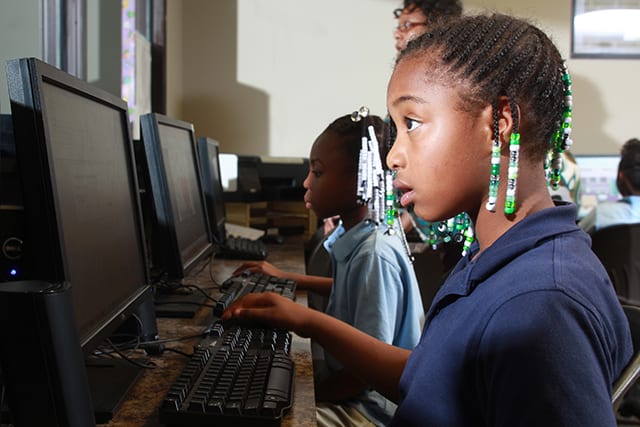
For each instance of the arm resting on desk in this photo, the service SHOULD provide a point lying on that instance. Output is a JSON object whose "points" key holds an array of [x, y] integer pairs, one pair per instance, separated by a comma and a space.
{"points": [[375, 362]]}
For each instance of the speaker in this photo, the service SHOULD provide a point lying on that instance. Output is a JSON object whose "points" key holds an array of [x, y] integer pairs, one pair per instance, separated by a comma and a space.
{"points": [[42, 362]]}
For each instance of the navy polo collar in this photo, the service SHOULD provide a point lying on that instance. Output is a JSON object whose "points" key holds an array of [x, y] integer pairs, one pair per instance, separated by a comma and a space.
{"points": [[522, 237]]}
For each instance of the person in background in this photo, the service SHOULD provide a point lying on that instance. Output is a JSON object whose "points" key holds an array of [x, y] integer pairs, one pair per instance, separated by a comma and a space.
{"points": [[527, 329], [415, 17], [373, 286], [627, 209]]}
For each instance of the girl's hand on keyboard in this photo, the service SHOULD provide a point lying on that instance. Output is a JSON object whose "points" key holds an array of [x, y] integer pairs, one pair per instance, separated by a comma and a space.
{"points": [[263, 267], [270, 309]]}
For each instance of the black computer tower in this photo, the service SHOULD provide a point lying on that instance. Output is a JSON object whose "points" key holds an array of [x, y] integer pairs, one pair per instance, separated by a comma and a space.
{"points": [[42, 362], [11, 210]]}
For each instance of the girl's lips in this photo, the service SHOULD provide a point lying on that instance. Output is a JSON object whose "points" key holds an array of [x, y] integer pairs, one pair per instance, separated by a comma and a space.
{"points": [[406, 198], [307, 203], [307, 199], [405, 190]]}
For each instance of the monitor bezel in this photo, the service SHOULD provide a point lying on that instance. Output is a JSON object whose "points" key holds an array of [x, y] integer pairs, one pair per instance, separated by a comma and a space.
{"points": [[46, 258], [210, 185], [165, 250]]}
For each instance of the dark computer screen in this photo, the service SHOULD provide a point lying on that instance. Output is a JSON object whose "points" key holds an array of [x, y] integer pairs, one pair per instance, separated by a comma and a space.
{"points": [[208, 150], [598, 174], [82, 213], [180, 235]]}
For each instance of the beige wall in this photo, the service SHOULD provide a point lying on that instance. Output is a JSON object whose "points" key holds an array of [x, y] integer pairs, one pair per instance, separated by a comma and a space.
{"points": [[266, 76], [605, 114], [174, 58], [18, 21]]}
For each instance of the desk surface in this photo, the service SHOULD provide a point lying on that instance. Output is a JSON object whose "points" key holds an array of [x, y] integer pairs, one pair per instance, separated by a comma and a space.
{"points": [[140, 408]]}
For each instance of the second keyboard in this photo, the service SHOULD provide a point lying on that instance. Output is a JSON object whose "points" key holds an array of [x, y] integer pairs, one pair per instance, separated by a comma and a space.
{"points": [[238, 286], [243, 248]]}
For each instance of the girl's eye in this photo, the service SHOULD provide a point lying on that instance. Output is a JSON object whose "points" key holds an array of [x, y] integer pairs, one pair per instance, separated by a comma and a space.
{"points": [[316, 173], [411, 124]]}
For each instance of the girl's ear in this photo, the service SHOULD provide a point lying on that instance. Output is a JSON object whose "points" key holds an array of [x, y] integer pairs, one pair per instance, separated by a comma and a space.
{"points": [[505, 120]]}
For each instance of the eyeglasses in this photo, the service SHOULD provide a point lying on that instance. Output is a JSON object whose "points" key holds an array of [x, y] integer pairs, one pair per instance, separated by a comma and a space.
{"points": [[399, 11], [406, 26]]}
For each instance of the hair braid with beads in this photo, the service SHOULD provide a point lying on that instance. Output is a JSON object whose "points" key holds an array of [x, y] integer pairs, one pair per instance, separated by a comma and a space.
{"points": [[511, 58], [493, 56]]}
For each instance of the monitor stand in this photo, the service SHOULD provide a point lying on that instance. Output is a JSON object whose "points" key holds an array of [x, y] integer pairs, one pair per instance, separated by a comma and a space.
{"points": [[178, 304], [109, 383]]}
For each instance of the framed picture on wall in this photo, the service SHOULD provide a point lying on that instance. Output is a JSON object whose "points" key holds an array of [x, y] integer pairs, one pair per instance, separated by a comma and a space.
{"points": [[605, 29]]}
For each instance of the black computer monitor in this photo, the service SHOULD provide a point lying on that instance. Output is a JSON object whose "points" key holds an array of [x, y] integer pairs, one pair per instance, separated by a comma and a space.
{"points": [[598, 175], [83, 222], [208, 150], [180, 236]]}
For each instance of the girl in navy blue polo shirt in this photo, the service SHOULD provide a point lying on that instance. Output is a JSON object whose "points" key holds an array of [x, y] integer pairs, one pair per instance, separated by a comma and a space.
{"points": [[527, 329]]}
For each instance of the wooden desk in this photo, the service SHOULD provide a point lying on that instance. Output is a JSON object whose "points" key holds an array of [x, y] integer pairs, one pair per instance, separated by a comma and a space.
{"points": [[140, 408]]}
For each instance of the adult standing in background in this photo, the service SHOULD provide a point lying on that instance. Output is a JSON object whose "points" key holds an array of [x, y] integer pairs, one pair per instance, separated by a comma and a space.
{"points": [[415, 17]]}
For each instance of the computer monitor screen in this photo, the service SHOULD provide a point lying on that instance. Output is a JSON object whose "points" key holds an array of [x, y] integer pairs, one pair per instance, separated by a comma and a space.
{"points": [[208, 150], [598, 175], [83, 221], [180, 235]]}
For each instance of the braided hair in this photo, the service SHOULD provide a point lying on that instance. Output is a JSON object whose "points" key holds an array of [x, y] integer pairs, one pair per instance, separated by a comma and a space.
{"points": [[497, 55], [350, 134]]}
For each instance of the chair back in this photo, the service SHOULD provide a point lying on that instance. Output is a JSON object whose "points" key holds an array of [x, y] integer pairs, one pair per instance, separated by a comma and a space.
{"points": [[317, 259], [618, 248], [317, 263], [631, 373]]}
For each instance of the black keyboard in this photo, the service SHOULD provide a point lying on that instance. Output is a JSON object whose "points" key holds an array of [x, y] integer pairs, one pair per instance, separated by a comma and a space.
{"points": [[237, 376], [238, 286], [243, 248]]}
